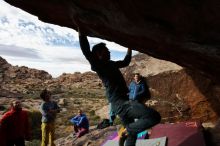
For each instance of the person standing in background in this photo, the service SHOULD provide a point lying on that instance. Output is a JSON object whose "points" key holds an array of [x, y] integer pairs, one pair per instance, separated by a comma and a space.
{"points": [[138, 89], [48, 109]]}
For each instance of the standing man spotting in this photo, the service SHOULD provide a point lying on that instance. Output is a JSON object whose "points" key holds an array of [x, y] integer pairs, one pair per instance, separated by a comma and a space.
{"points": [[138, 89]]}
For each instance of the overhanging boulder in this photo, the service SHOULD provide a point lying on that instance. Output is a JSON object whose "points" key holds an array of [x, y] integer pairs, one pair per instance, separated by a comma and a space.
{"points": [[186, 32]]}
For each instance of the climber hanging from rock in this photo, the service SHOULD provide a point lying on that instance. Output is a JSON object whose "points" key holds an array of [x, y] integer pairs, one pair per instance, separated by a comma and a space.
{"points": [[117, 91]]}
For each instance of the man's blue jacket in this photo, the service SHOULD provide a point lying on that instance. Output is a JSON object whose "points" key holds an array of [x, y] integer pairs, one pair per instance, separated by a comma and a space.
{"points": [[137, 90], [80, 121]]}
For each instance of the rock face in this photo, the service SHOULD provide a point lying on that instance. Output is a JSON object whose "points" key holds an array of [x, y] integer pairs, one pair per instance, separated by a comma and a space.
{"points": [[177, 93], [186, 32], [186, 96]]}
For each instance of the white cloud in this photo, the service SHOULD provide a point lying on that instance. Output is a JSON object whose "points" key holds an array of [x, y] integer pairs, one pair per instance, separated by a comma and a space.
{"points": [[26, 41], [55, 68], [54, 60], [18, 52]]}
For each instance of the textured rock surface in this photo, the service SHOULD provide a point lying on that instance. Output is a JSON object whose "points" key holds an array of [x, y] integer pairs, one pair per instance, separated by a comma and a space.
{"points": [[186, 32], [178, 94]]}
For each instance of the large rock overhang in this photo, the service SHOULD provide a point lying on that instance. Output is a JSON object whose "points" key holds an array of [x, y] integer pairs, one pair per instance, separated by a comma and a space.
{"points": [[186, 32]]}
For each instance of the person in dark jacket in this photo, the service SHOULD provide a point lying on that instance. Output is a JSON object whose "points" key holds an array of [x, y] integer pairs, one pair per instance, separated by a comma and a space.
{"points": [[15, 126], [138, 89], [80, 124], [116, 90]]}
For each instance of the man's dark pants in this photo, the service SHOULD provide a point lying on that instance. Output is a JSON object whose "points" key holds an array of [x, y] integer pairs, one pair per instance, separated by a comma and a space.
{"points": [[16, 142], [147, 117]]}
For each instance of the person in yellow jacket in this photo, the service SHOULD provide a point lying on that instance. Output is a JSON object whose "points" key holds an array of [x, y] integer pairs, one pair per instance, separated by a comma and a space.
{"points": [[48, 109]]}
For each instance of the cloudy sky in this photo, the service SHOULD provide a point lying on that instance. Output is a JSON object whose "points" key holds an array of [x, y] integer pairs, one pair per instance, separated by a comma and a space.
{"points": [[26, 41]]}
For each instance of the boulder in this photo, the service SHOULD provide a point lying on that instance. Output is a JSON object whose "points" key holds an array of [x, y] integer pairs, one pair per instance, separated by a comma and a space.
{"points": [[186, 32]]}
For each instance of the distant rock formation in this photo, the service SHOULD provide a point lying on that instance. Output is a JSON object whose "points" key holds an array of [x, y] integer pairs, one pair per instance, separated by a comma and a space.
{"points": [[181, 94], [177, 93], [80, 80], [19, 81]]}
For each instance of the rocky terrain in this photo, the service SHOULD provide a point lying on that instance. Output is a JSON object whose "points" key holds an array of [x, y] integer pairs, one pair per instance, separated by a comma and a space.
{"points": [[178, 94], [184, 32]]}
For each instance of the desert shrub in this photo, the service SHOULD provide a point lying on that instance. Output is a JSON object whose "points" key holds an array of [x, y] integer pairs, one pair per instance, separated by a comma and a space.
{"points": [[2, 108], [35, 120], [57, 90], [117, 121], [94, 120], [92, 113], [34, 142], [32, 95]]}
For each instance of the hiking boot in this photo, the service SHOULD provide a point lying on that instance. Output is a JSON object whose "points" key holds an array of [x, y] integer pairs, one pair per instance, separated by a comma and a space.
{"points": [[123, 138]]}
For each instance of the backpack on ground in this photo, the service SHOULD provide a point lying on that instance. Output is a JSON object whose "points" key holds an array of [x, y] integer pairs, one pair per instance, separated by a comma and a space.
{"points": [[105, 123]]}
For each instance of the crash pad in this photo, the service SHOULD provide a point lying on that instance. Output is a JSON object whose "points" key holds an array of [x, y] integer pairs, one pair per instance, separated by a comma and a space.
{"points": [[141, 142], [180, 134]]}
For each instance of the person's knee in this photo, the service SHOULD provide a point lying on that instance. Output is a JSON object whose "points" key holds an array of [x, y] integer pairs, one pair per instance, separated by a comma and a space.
{"points": [[157, 118], [82, 132], [151, 121]]}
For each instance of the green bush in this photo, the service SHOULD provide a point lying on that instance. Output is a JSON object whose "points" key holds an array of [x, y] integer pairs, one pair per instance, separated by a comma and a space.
{"points": [[117, 121], [34, 142], [35, 120], [92, 113], [2, 108], [94, 120]]}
